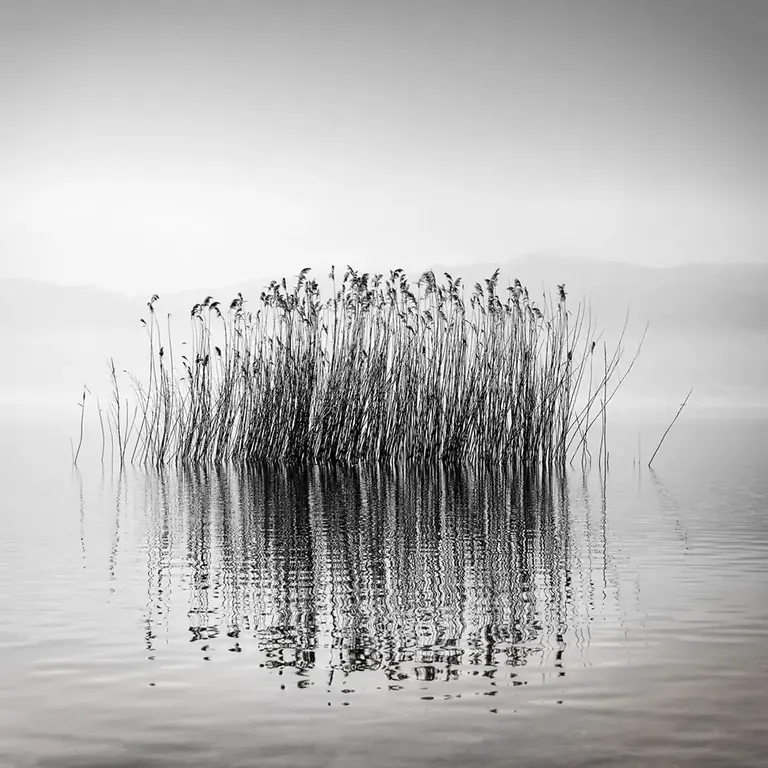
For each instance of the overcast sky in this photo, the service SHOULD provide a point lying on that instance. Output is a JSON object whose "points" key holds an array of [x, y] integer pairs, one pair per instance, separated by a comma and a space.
{"points": [[167, 145]]}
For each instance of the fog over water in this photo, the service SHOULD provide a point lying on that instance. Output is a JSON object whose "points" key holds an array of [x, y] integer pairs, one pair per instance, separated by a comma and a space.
{"points": [[598, 611], [312, 615]]}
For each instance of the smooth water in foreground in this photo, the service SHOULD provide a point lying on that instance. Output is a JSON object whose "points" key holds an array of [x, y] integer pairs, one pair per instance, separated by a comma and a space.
{"points": [[366, 617]]}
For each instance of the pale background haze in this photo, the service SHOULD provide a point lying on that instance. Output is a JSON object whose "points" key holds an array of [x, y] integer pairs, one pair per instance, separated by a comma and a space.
{"points": [[161, 146], [188, 148]]}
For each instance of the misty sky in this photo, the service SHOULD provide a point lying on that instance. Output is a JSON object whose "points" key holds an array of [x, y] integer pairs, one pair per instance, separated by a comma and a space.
{"points": [[168, 145]]}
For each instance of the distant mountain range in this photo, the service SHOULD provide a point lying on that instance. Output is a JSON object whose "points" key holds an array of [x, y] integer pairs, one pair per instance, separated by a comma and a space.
{"points": [[708, 323], [687, 298], [713, 297], [29, 305]]}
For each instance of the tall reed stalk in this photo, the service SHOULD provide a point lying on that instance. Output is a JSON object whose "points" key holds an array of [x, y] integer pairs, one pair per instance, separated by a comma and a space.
{"points": [[383, 370]]}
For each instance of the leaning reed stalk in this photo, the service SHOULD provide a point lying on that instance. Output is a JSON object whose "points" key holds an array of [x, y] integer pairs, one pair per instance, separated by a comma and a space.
{"points": [[383, 370]]}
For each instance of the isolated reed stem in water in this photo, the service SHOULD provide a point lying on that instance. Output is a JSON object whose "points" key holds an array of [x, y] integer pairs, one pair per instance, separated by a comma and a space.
{"points": [[382, 370], [679, 411]]}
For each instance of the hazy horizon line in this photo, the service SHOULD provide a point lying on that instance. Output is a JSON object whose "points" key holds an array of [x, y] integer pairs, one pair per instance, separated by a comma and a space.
{"points": [[552, 258]]}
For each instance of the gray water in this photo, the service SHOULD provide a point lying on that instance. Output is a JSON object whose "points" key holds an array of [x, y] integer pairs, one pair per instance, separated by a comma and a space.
{"points": [[372, 617]]}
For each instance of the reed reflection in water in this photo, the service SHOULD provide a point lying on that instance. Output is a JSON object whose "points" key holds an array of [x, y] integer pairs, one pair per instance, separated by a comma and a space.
{"points": [[417, 576]]}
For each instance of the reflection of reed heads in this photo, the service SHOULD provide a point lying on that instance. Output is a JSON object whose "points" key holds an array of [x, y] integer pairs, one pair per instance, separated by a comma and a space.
{"points": [[413, 573]]}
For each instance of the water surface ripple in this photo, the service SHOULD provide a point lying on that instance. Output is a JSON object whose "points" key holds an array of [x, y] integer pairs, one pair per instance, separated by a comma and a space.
{"points": [[374, 616]]}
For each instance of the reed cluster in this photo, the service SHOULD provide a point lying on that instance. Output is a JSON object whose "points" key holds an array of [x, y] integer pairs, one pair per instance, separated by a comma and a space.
{"points": [[382, 370]]}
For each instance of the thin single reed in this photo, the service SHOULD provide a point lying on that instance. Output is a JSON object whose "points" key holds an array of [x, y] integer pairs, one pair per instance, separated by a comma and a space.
{"points": [[383, 370], [666, 432], [76, 453]]}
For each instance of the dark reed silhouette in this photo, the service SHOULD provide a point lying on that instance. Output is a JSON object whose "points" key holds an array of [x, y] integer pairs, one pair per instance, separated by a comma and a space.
{"points": [[382, 370]]}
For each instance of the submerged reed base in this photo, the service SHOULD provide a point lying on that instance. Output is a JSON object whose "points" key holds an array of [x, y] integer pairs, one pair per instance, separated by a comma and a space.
{"points": [[383, 370]]}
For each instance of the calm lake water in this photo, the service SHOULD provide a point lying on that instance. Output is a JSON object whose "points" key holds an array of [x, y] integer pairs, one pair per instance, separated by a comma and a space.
{"points": [[368, 617]]}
